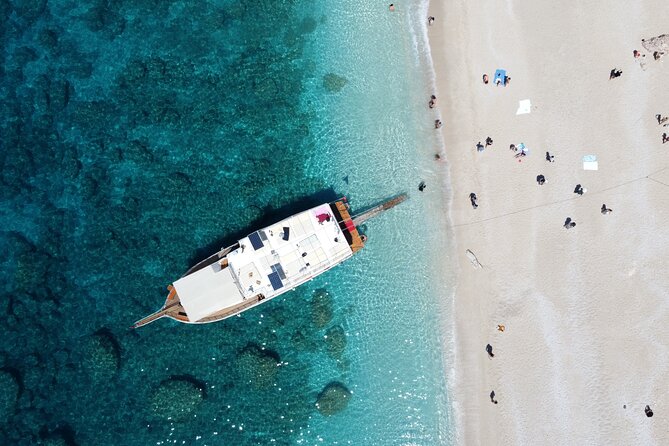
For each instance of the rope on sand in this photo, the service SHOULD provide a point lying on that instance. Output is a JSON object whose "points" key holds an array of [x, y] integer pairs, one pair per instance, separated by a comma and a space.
{"points": [[647, 177]]}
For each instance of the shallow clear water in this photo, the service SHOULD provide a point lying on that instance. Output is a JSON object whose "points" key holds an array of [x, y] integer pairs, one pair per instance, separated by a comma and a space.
{"points": [[139, 137]]}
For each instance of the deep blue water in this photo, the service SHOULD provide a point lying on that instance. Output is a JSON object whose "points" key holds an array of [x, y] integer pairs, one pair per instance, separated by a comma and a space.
{"points": [[137, 137]]}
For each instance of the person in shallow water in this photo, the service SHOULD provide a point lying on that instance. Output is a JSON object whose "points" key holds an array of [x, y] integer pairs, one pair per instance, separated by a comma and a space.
{"points": [[422, 186]]}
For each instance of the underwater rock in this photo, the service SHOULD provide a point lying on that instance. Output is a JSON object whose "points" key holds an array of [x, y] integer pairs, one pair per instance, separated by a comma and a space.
{"points": [[334, 83], [104, 18], [321, 308], [9, 394], [60, 92], [258, 367], [63, 436], [29, 9], [177, 398], [303, 343], [48, 38], [102, 358], [335, 341], [333, 399], [308, 25]]}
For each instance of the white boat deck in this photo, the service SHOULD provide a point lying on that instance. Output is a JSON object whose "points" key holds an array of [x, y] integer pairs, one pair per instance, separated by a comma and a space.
{"points": [[270, 261], [282, 256]]}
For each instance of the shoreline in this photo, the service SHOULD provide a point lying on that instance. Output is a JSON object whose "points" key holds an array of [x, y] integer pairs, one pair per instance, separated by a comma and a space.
{"points": [[584, 308]]}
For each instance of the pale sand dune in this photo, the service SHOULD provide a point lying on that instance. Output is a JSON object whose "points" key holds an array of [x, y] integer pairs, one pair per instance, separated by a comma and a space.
{"points": [[587, 309]]}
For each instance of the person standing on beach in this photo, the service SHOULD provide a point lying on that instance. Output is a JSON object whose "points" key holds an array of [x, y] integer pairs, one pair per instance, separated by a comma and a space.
{"points": [[579, 189], [569, 223], [649, 411], [430, 20], [474, 200], [541, 179], [433, 101], [606, 210], [437, 123], [550, 158], [479, 147], [492, 397], [488, 348], [665, 138], [488, 141]]}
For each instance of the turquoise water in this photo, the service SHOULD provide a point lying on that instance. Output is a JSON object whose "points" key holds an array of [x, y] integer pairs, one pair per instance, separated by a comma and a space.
{"points": [[139, 137]]}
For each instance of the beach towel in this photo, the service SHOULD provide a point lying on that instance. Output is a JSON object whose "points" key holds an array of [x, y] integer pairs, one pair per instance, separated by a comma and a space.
{"points": [[590, 162], [500, 75], [524, 107]]}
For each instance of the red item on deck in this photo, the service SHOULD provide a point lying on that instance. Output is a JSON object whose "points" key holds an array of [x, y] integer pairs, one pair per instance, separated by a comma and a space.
{"points": [[323, 218], [349, 225]]}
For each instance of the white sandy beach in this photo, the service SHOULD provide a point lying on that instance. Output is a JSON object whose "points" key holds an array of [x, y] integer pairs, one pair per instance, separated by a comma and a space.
{"points": [[586, 309]]}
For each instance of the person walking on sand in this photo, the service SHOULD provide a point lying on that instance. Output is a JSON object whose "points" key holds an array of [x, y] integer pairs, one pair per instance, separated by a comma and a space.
{"points": [[579, 189], [569, 223], [615, 73], [661, 120], [550, 158], [437, 123], [649, 411], [488, 348], [433, 101], [479, 147], [492, 397], [473, 199], [606, 210], [430, 20], [488, 141], [665, 138]]}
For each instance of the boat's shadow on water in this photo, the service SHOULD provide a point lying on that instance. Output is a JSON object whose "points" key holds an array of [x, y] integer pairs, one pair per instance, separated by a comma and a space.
{"points": [[268, 215]]}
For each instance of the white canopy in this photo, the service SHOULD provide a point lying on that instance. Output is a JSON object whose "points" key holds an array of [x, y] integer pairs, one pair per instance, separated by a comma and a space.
{"points": [[207, 291]]}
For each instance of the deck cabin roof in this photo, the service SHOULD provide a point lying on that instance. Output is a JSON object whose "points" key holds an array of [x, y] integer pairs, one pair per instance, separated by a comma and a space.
{"points": [[207, 291]]}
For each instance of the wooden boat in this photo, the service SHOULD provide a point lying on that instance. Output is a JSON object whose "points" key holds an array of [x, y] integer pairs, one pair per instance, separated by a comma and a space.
{"points": [[267, 263]]}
